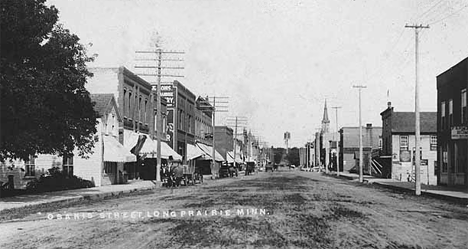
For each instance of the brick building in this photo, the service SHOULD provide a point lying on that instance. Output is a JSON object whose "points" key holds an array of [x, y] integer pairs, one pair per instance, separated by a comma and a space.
{"points": [[452, 126], [180, 116], [224, 140], [136, 102]]}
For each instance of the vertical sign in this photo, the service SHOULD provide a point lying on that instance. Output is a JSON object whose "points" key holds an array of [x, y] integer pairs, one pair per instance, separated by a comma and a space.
{"points": [[168, 92]]}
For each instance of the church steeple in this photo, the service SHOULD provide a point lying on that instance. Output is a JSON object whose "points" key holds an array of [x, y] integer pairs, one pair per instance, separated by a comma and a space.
{"points": [[325, 120]]}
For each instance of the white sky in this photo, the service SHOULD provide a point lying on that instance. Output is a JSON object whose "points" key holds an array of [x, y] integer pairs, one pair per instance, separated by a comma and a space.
{"points": [[278, 60]]}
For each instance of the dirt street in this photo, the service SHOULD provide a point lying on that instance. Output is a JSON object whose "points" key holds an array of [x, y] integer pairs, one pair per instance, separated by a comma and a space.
{"points": [[288, 209]]}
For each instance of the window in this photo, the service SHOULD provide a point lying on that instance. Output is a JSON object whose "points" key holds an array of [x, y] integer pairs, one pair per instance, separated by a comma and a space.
{"points": [[30, 166], [433, 142], [67, 166], [443, 150], [404, 143], [463, 107], [140, 108], [125, 113], [145, 111], [450, 114], [442, 115], [129, 112], [380, 143]]}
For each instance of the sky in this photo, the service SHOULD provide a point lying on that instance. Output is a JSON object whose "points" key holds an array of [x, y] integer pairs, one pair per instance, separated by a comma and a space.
{"points": [[278, 61]]}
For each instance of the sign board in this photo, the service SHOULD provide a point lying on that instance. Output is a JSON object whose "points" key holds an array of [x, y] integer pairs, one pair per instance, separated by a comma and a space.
{"points": [[459, 132], [168, 92], [405, 156]]}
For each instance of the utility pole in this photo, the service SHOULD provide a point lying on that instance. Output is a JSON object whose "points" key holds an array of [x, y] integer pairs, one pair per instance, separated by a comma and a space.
{"points": [[361, 178], [237, 120], [211, 102], [417, 157], [158, 75], [337, 143]]}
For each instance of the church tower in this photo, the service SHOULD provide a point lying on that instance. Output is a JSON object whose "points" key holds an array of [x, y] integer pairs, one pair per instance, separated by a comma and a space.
{"points": [[325, 120]]}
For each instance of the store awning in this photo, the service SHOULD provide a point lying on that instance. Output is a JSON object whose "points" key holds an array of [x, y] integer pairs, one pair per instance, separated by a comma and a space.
{"points": [[209, 152], [116, 152], [167, 151], [194, 152], [230, 157], [131, 141]]}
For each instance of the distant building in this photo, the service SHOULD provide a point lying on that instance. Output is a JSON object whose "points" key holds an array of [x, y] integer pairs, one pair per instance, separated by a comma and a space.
{"points": [[398, 145], [224, 140], [203, 121], [452, 126], [349, 145]]}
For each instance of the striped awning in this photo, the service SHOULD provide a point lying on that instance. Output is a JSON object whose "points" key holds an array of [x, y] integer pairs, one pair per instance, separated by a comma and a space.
{"points": [[115, 151], [209, 152], [230, 157], [194, 152]]}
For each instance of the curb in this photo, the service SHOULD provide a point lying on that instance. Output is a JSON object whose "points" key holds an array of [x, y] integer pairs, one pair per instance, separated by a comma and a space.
{"points": [[78, 198], [458, 200]]}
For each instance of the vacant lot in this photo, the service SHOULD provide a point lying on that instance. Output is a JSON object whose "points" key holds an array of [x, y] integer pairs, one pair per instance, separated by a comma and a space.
{"points": [[288, 209]]}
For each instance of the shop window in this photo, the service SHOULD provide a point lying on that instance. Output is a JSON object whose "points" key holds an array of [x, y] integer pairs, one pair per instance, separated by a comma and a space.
{"points": [[433, 142], [404, 143], [461, 157], [67, 166], [443, 150], [30, 166]]}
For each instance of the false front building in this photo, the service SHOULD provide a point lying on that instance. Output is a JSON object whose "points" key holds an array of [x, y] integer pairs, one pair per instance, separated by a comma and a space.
{"points": [[398, 145]]}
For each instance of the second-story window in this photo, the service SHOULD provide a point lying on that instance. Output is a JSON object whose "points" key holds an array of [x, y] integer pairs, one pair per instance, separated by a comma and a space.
{"points": [[442, 115], [463, 107], [450, 113], [404, 143], [129, 112]]}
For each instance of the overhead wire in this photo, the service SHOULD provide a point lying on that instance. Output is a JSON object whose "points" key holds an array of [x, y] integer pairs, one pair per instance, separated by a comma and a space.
{"points": [[449, 15]]}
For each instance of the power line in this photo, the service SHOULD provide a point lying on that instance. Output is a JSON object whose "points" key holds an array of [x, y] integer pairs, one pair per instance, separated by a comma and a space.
{"points": [[448, 16], [428, 10], [158, 67]]}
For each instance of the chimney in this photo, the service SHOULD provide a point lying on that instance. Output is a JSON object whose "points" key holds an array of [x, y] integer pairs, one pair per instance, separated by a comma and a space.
{"points": [[389, 104]]}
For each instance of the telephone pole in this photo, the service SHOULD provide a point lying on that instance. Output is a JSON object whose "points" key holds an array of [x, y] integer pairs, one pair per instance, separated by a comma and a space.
{"points": [[337, 143], [361, 178], [237, 120], [211, 102], [159, 132], [417, 156]]}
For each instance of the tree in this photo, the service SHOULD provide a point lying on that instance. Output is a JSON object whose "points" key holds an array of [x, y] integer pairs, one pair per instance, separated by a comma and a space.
{"points": [[45, 107]]}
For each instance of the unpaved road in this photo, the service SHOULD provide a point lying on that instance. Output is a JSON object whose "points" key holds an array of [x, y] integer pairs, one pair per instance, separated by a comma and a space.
{"points": [[294, 210]]}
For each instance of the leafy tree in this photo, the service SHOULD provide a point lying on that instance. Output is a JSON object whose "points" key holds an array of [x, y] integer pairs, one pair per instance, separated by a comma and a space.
{"points": [[45, 107]]}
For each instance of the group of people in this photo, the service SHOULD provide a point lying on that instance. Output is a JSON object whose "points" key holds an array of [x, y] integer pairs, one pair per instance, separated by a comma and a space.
{"points": [[172, 174]]}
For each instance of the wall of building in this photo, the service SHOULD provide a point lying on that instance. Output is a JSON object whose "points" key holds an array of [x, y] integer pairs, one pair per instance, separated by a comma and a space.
{"points": [[223, 140], [403, 169], [452, 152]]}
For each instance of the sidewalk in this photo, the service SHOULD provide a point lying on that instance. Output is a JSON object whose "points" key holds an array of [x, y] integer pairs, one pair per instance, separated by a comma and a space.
{"points": [[440, 192], [75, 195]]}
